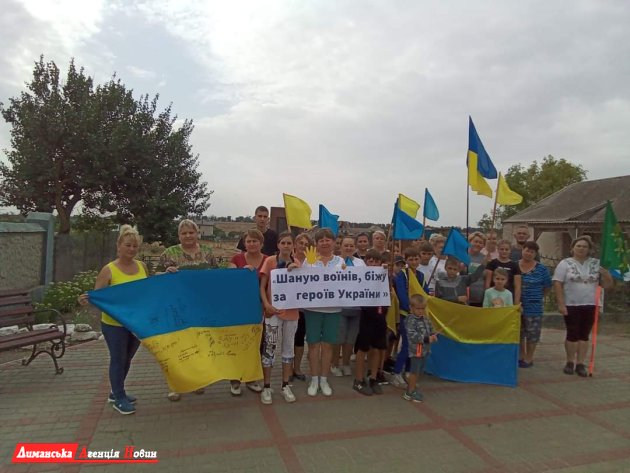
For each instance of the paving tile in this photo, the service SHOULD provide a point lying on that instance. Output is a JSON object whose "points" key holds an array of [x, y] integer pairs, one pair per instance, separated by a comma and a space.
{"points": [[333, 415], [486, 401], [543, 439], [414, 451]]}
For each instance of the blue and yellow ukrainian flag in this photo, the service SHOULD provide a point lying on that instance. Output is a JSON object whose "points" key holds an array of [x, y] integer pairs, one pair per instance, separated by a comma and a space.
{"points": [[475, 345], [480, 166], [201, 326]]}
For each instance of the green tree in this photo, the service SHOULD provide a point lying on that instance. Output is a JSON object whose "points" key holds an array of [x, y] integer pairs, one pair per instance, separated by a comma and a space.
{"points": [[536, 182], [73, 142]]}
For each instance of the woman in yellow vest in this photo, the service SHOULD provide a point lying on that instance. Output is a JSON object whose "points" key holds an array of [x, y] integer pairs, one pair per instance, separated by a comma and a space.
{"points": [[122, 344]]}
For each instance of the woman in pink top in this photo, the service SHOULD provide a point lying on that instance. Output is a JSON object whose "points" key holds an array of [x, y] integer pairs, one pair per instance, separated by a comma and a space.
{"points": [[301, 243]]}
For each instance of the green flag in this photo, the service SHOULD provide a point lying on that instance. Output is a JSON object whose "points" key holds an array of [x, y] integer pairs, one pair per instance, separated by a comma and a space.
{"points": [[615, 255]]}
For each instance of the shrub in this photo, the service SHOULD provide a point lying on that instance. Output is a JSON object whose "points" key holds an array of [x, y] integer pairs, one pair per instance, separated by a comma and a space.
{"points": [[63, 295]]}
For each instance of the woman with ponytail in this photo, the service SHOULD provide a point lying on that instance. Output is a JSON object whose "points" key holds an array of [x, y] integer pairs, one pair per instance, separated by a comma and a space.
{"points": [[122, 344]]}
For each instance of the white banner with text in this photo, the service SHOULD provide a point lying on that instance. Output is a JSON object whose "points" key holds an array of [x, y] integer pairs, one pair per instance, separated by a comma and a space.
{"points": [[304, 288]]}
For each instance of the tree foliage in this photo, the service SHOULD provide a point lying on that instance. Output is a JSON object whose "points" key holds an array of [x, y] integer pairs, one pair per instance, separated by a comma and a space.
{"points": [[74, 142], [536, 182]]}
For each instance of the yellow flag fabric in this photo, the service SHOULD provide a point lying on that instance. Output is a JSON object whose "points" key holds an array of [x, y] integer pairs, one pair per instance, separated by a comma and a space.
{"points": [[297, 211], [198, 356], [393, 312], [475, 179], [468, 324], [407, 205], [505, 195]]}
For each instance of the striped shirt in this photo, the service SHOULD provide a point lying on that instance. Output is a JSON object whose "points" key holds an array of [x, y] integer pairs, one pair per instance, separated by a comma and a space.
{"points": [[533, 285]]}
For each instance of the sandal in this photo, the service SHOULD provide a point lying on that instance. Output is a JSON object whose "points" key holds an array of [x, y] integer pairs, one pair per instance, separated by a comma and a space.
{"points": [[174, 397]]}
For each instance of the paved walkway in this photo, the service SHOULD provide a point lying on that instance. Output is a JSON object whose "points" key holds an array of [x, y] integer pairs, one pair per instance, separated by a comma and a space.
{"points": [[551, 422]]}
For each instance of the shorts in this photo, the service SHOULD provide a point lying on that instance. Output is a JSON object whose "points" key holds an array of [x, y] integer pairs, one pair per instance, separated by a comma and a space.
{"points": [[349, 326], [300, 333], [372, 333], [276, 328], [579, 322], [531, 326], [416, 365], [322, 327]]}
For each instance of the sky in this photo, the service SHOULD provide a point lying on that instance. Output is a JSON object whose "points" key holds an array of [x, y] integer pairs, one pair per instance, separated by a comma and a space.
{"points": [[347, 103]]}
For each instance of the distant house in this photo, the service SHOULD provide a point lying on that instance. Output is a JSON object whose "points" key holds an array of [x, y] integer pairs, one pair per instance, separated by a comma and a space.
{"points": [[577, 209], [206, 227]]}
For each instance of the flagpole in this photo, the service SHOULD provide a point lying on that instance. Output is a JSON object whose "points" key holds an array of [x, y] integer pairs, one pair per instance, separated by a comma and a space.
{"points": [[433, 272], [424, 225], [494, 209], [467, 206], [591, 364]]}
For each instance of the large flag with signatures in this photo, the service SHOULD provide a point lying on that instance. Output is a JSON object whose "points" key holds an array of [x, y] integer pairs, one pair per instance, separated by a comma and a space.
{"points": [[201, 326]]}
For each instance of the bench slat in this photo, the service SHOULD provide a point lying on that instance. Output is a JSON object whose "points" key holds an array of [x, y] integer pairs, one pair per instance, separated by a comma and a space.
{"points": [[21, 335], [30, 338], [14, 292], [14, 300], [17, 316]]}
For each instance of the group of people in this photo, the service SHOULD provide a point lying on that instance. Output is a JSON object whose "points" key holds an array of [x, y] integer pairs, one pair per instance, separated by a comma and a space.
{"points": [[499, 274]]}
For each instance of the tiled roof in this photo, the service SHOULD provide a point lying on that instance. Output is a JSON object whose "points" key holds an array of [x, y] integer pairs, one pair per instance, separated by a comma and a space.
{"points": [[583, 202]]}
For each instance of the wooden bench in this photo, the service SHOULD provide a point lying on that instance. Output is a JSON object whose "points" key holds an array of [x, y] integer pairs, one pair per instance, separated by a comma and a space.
{"points": [[16, 308]]}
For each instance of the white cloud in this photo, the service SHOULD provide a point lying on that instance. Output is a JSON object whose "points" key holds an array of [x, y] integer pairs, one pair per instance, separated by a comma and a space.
{"points": [[141, 73]]}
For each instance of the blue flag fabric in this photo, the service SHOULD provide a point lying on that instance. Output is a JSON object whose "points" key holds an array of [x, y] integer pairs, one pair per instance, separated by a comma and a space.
{"points": [[406, 227], [457, 246], [201, 326], [484, 163], [328, 220], [430, 209]]}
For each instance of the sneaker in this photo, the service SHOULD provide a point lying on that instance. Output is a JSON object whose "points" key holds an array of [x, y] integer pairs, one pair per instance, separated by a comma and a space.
{"points": [[325, 387], [130, 398], [568, 368], [288, 394], [313, 387], [200, 391], [398, 381], [346, 370], [254, 386], [335, 371], [353, 357], [380, 379], [376, 388], [524, 364], [235, 388], [174, 397], [265, 396], [580, 369], [362, 387], [124, 407], [414, 396]]}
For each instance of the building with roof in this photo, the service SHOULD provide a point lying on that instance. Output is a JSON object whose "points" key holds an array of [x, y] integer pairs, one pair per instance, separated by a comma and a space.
{"points": [[577, 209]]}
